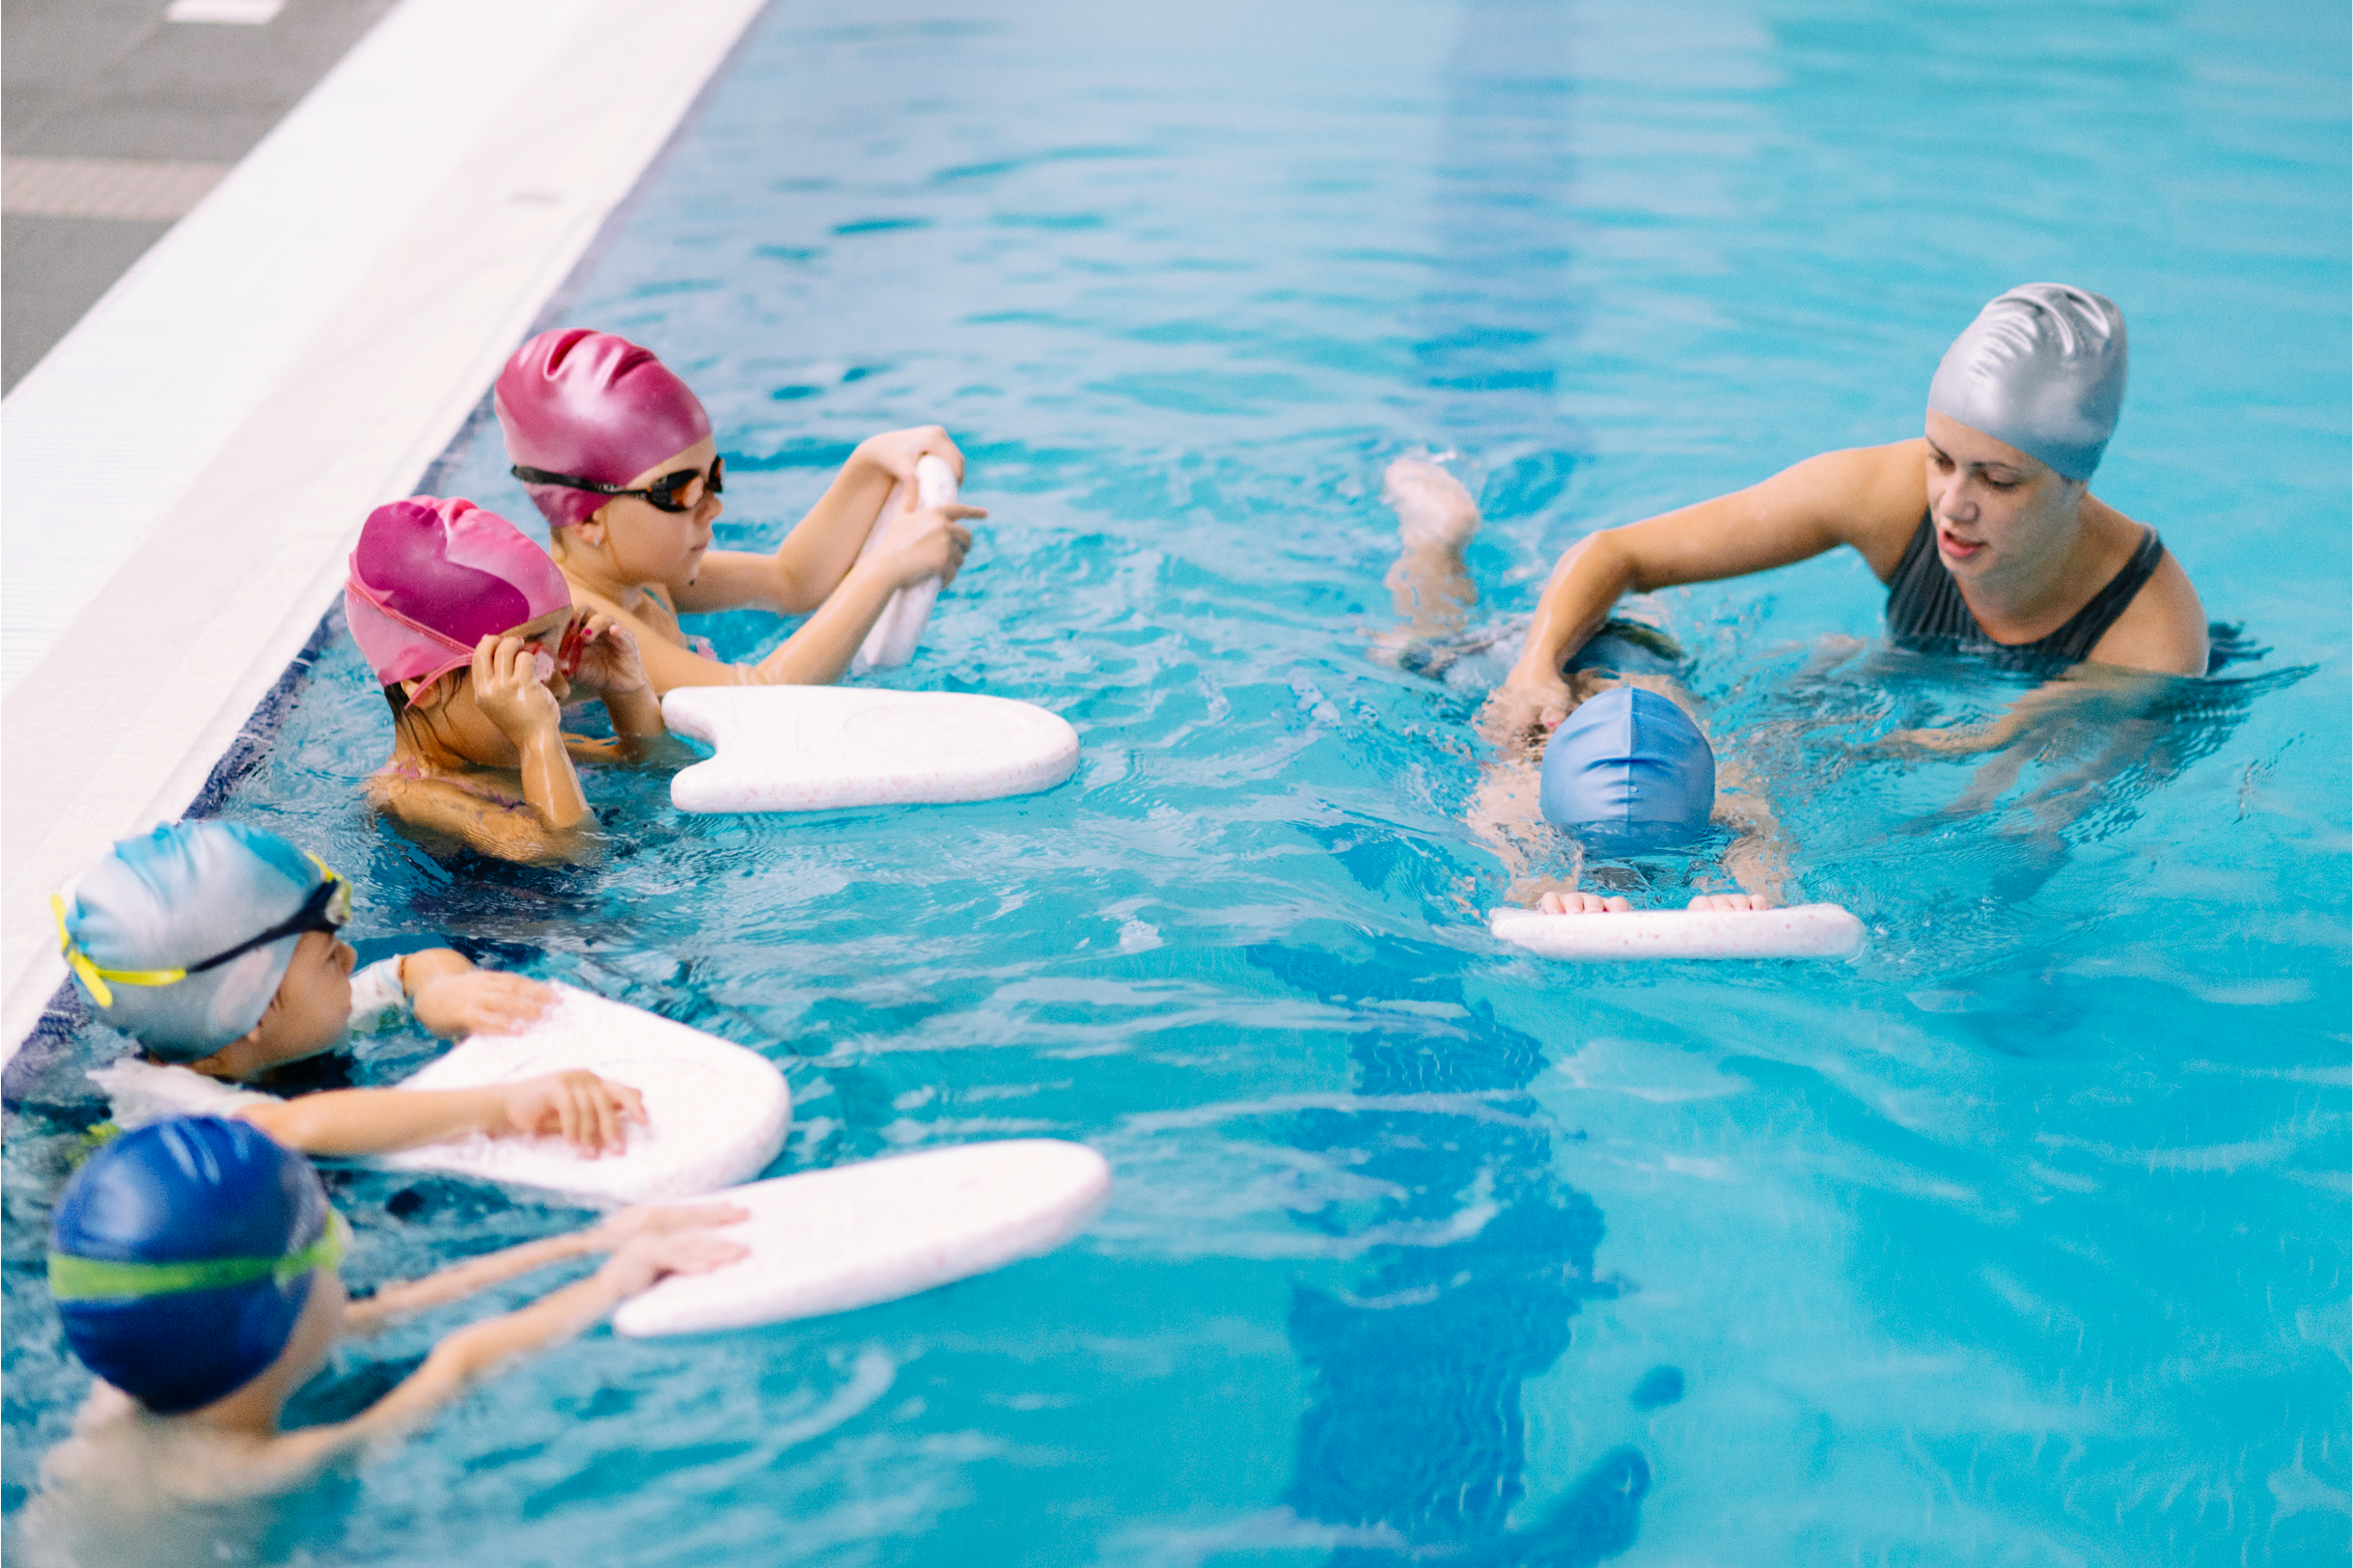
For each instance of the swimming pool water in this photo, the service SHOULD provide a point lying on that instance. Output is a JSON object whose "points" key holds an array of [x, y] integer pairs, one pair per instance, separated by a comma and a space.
{"points": [[2021, 1239]]}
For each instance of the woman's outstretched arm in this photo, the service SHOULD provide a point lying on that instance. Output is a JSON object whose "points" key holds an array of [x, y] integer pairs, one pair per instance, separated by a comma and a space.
{"points": [[1869, 497]]}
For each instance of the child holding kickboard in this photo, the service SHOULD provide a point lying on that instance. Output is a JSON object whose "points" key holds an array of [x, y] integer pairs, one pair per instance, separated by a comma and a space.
{"points": [[214, 945]]}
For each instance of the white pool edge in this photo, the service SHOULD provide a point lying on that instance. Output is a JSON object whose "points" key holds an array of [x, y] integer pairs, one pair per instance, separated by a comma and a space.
{"points": [[182, 478]]}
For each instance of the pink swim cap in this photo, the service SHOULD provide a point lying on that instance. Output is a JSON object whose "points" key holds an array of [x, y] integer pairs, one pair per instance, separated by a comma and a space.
{"points": [[593, 406], [432, 578]]}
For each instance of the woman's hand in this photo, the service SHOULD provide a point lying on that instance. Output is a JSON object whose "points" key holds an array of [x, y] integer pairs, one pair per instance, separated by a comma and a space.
{"points": [[934, 547], [1717, 903], [508, 689], [583, 1109], [1581, 903], [480, 1002], [610, 664], [894, 453]]}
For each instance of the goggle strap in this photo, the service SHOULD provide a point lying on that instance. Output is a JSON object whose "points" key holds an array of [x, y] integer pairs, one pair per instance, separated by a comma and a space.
{"points": [[74, 1279], [95, 978]]}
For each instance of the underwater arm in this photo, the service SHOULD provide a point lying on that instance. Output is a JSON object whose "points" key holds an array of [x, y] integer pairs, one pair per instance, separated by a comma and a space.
{"points": [[2104, 690], [1758, 858], [512, 832]]}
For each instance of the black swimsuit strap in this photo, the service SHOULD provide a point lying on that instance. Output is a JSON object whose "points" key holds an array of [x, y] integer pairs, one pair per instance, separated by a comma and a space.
{"points": [[2086, 626], [1925, 610]]}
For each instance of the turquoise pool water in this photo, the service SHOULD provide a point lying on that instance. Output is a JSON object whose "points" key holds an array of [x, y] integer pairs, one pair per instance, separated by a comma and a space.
{"points": [[2023, 1239]]}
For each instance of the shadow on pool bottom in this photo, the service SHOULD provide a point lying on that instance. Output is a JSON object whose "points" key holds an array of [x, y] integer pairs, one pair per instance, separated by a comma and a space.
{"points": [[1413, 1430]]}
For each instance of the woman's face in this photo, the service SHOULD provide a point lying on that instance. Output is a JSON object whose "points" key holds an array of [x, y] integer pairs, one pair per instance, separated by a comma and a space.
{"points": [[645, 545], [1996, 509]]}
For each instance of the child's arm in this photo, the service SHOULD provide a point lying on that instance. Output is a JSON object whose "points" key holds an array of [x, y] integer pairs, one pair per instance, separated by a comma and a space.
{"points": [[466, 1355], [508, 689], [1758, 858], [822, 547], [586, 1110], [821, 649], [452, 999], [612, 667], [509, 832], [407, 1297]]}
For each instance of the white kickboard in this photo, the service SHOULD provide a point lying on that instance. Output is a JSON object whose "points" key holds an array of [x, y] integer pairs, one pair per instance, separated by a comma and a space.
{"points": [[858, 1235], [823, 747], [891, 641], [1803, 931], [716, 1114]]}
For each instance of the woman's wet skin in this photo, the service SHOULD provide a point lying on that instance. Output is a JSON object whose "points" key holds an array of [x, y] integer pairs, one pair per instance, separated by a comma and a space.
{"points": [[1998, 511]]}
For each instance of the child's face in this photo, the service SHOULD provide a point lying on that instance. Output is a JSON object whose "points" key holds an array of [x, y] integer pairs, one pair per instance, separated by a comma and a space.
{"points": [[458, 720], [313, 1005], [312, 1340], [646, 544]]}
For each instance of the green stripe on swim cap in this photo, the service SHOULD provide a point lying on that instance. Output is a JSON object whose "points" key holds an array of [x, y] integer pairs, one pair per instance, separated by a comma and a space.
{"points": [[74, 1279]]}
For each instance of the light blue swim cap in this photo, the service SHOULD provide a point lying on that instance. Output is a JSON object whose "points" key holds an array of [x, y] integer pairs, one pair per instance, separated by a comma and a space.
{"points": [[2041, 368], [1628, 773], [157, 905]]}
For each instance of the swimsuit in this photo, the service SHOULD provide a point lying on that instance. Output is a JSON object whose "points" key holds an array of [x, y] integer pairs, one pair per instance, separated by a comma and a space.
{"points": [[1926, 612]]}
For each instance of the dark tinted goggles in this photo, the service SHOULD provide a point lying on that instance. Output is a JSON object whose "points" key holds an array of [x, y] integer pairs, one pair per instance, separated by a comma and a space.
{"points": [[681, 490]]}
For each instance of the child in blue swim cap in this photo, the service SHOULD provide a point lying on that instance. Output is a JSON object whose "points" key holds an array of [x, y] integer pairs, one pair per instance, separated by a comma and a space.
{"points": [[1629, 772], [214, 945], [194, 1264]]}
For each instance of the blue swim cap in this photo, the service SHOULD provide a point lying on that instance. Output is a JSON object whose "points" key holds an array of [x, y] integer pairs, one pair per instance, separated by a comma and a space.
{"points": [[182, 1254], [185, 892], [1628, 773]]}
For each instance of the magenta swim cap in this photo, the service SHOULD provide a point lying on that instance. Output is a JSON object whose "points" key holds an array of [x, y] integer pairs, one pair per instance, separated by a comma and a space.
{"points": [[593, 406], [432, 577]]}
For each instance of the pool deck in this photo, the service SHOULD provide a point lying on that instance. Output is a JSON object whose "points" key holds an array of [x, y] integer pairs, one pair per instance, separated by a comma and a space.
{"points": [[118, 117], [294, 351]]}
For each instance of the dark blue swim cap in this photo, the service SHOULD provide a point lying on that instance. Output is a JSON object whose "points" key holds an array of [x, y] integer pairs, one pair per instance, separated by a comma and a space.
{"points": [[182, 1254], [1628, 773]]}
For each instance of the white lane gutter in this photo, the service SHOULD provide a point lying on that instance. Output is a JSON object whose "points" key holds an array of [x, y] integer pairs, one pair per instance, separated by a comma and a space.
{"points": [[183, 476]]}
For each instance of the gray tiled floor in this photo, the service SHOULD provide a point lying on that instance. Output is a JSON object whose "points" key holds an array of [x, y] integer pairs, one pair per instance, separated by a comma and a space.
{"points": [[111, 78]]}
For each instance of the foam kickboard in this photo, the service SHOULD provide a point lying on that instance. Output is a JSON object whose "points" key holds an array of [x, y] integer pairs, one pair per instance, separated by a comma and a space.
{"points": [[716, 1114], [830, 1240], [1802, 931], [823, 747], [892, 640]]}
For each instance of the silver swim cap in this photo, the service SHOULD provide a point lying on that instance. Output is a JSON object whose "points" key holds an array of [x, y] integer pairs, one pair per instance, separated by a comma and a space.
{"points": [[134, 923], [2041, 368]]}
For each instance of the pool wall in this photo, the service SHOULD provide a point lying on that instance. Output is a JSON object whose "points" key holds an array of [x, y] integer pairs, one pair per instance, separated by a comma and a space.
{"points": [[298, 350]]}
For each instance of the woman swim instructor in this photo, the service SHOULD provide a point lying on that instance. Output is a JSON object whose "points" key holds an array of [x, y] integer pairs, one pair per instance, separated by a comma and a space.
{"points": [[1983, 528]]}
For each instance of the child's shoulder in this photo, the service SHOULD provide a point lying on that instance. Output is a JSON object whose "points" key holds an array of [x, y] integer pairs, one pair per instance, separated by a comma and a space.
{"points": [[139, 1091]]}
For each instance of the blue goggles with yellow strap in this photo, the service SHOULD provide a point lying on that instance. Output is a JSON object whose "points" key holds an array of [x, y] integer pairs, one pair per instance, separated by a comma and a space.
{"points": [[74, 1278], [327, 908]]}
